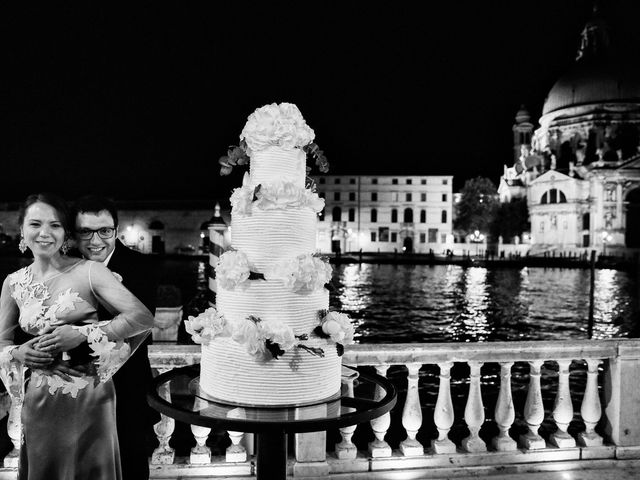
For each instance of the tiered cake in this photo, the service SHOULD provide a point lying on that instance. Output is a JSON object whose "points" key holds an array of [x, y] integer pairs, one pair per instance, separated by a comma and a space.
{"points": [[270, 339]]}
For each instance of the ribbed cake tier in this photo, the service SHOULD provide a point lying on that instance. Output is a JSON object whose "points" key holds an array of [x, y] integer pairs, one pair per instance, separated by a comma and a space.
{"points": [[267, 236], [268, 300], [229, 374], [275, 164]]}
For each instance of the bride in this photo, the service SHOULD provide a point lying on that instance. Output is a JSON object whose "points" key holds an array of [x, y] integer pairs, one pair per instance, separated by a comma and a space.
{"points": [[68, 414]]}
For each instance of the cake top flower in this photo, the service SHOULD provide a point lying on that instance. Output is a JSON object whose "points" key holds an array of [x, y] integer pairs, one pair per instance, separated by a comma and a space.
{"points": [[276, 125], [280, 125]]}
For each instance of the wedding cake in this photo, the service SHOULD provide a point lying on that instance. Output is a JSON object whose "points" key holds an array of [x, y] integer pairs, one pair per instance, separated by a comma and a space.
{"points": [[271, 340]]}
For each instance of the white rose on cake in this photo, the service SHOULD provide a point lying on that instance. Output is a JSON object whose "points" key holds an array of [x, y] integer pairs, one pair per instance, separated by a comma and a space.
{"points": [[338, 327], [232, 270], [207, 326], [302, 274]]}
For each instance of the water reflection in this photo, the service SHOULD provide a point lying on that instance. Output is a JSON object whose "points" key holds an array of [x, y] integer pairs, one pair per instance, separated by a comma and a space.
{"points": [[471, 324], [422, 303]]}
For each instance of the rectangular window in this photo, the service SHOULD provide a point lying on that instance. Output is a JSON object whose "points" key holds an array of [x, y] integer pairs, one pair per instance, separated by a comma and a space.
{"points": [[408, 197], [322, 180], [423, 181], [322, 195], [352, 181], [336, 181], [394, 237], [352, 196], [445, 181], [409, 181], [443, 238], [374, 196], [383, 234], [444, 197], [542, 226], [394, 181], [374, 181], [433, 235], [423, 238], [352, 214], [336, 196], [423, 197], [373, 236]]}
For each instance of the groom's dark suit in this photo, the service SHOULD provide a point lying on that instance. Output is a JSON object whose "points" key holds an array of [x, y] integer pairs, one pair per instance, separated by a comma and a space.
{"points": [[135, 419]]}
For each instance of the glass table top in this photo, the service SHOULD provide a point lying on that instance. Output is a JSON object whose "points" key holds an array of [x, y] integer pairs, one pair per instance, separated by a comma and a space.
{"points": [[177, 394]]}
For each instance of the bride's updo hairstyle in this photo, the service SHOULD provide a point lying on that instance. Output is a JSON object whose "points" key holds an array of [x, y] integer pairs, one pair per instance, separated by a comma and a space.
{"points": [[53, 200]]}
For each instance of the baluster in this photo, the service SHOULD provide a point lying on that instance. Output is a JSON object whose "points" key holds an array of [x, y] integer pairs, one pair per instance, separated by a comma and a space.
{"points": [[380, 425], [590, 409], [443, 412], [412, 413], [505, 413], [346, 450], [563, 409], [533, 409], [164, 454], [200, 453], [474, 412], [14, 430], [236, 452]]}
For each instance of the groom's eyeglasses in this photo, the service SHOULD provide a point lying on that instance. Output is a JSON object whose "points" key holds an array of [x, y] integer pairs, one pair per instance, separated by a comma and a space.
{"points": [[104, 232]]}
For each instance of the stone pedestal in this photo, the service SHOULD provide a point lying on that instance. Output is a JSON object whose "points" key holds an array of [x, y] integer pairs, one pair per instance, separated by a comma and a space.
{"points": [[379, 448], [531, 441], [411, 448], [443, 446]]}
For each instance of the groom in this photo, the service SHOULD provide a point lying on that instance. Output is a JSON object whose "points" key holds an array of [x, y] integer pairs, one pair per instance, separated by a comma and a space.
{"points": [[96, 234]]}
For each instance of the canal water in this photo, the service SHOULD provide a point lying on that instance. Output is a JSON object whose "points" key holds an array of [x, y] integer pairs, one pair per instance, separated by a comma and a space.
{"points": [[450, 303]]}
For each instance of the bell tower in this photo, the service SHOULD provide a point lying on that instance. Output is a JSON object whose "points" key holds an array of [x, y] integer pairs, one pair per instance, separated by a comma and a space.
{"points": [[522, 133]]}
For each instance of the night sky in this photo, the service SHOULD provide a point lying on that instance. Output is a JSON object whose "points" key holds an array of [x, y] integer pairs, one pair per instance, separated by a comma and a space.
{"points": [[140, 102]]}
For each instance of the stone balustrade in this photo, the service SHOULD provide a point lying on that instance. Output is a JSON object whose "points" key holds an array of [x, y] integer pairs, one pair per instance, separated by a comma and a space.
{"points": [[575, 403]]}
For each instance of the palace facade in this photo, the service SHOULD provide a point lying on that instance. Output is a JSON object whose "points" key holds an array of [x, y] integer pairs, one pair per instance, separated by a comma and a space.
{"points": [[580, 170], [385, 213]]}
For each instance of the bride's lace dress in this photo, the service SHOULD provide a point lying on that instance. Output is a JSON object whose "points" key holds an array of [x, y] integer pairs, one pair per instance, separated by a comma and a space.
{"points": [[69, 427]]}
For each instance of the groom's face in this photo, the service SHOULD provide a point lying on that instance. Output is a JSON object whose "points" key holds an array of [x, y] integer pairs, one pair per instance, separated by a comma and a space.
{"points": [[96, 248]]}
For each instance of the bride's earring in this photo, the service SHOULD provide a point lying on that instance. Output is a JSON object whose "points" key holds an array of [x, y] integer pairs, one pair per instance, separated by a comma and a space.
{"points": [[64, 248], [22, 246]]}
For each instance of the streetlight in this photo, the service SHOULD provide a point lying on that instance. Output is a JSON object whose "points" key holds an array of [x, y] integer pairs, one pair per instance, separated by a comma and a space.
{"points": [[476, 237], [606, 238]]}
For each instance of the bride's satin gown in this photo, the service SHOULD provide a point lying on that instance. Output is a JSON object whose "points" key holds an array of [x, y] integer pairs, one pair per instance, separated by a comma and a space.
{"points": [[69, 428]]}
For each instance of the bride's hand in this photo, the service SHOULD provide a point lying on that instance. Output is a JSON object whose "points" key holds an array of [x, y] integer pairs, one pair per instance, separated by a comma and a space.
{"points": [[61, 339], [65, 371], [29, 356]]}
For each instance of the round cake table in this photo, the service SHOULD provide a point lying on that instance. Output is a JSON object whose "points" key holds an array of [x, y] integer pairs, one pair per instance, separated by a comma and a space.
{"points": [[370, 397]]}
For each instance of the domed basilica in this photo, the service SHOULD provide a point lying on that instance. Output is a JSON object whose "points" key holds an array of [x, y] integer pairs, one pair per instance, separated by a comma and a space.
{"points": [[580, 170]]}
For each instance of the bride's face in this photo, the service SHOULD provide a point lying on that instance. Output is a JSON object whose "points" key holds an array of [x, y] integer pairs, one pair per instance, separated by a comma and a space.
{"points": [[42, 229]]}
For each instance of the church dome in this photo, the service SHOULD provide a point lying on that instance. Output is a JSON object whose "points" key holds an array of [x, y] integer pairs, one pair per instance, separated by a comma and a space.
{"points": [[598, 76], [593, 82]]}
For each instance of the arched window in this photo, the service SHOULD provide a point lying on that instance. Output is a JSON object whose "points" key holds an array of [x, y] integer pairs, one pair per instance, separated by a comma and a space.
{"points": [[444, 216], [374, 215], [561, 197], [553, 196], [352, 215], [337, 214], [408, 215], [423, 216], [394, 216]]}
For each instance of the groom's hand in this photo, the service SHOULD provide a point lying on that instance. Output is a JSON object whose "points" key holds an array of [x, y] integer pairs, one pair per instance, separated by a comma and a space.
{"points": [[62, 339], [63, 370]]}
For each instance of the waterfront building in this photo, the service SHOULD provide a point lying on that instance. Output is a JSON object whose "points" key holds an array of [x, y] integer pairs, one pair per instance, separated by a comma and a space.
{"points": [[580, 170], [386, 213]]}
